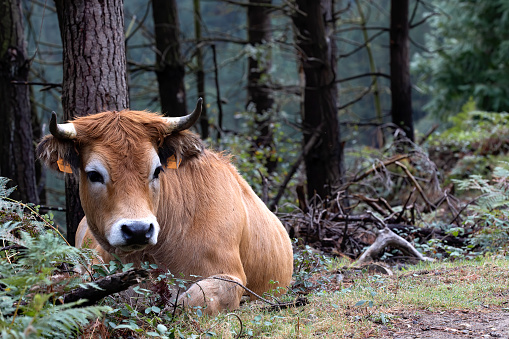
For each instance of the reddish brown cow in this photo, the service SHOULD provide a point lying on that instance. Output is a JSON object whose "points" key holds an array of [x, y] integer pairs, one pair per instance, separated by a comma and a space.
{"points": [[152, 192]]}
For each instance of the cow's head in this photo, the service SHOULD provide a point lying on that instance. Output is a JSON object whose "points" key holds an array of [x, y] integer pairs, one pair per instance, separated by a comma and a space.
{"points": [[118, 157]]}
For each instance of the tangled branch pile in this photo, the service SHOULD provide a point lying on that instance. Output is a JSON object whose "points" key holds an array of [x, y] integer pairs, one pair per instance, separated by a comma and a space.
{"points": [[393, 205]]}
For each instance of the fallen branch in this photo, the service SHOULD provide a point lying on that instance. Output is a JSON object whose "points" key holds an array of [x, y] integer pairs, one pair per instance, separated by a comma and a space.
{"points": [[378, 166], [386, 237], [307, 148], [427, 135], [426, 233], [374, 203], [416, 185], [400, 215], [108, 285], [300, 301], [273, 306]]}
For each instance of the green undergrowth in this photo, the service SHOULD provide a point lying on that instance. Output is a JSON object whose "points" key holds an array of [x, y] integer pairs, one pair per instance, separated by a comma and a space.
{"points": [[475, 142], [34, 274], [353, 303]]}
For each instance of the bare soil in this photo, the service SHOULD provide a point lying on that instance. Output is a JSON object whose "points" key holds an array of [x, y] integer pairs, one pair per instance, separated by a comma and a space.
{"points": [[448, 324]]}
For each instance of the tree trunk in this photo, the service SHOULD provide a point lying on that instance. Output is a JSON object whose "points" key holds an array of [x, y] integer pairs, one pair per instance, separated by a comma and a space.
{"points": [[169, 66], [401, 90], [17, 159], [259, 93], [200, 74], [94, 75], [314, 25]]}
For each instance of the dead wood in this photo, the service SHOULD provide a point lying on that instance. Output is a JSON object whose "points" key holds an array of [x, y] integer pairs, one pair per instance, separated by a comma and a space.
{"points": [[416, 185], [278, 305], [431, 233], [307, 148], [428, 134], [379, 166], [106, 286], [300, 301], [347, 228], [386, 237]]}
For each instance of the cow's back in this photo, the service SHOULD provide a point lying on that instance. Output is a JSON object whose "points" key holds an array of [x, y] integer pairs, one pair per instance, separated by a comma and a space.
{"points": [[266, 250]]}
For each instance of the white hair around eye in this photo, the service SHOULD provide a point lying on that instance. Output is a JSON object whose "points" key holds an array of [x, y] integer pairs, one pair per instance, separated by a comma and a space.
{"points": [[96, 171]]}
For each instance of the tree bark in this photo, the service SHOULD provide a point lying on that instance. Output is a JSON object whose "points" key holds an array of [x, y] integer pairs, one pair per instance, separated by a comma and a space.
{"points": [[94, 74], [314, 25], [108, 285], [169, 66], [401, 90], [200, 73], [17, 156], [259, 93]]}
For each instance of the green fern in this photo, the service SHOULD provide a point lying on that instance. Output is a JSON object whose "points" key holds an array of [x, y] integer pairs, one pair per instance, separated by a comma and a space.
{"points": [[489, 217], [30, 282], [4, 191], [62, 321]]}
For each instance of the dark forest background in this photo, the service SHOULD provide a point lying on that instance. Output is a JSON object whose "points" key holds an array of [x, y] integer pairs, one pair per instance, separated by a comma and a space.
{"points": [[307, 95]]}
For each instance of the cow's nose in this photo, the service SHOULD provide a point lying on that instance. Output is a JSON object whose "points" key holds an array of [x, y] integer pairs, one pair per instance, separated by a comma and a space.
{"points": [[137, 232]]}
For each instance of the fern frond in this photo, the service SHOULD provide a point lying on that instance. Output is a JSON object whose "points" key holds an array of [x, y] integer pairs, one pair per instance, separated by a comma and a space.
{"points": [[501, 171], [6, 233], [66, 319], [4, 191], [61, 321], [494, 200]]}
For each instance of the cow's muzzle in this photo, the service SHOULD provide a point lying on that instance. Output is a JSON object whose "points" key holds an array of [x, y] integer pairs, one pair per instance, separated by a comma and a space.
{"points": [[133, 234], [137, 232]]}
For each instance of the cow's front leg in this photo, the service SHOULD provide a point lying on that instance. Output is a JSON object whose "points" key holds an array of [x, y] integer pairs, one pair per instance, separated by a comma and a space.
{"points": [[214, 294]]}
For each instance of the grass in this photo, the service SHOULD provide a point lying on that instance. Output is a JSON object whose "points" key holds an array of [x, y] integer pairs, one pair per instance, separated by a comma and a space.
{"points": [[362, 304]]}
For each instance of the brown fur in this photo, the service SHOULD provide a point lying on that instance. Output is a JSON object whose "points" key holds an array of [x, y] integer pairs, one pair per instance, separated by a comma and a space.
{"points": [[211, 221]]}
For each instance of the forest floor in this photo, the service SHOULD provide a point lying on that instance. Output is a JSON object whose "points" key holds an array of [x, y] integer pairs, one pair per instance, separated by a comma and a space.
{"points": [[441, 299], [449, 324], [463, 299], [459, 299]]}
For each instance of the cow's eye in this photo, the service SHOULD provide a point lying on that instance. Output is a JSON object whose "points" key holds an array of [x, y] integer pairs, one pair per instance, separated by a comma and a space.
{"points": [[158, 171], [94, 176]]}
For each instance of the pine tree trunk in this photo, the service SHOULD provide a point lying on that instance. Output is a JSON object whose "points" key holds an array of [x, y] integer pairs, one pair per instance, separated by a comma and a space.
{"points": [[401, 90], [259, 93], [200, 73], [17, 156], [169, 66], [315, 42], [95, 77]]}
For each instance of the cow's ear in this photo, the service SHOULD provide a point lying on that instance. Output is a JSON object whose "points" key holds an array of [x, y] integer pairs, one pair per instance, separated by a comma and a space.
{"points": [[59, 155], [178, 148]]}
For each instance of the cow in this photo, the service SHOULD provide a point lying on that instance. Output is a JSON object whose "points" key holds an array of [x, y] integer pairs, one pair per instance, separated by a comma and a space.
{"points": [[152, 192]]}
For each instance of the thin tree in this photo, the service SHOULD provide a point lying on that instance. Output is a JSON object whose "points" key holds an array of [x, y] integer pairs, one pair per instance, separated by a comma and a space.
{"points": [[200, 73], [169, 65], [94, 74], [401, 90], [314, 23], [259, 91], [17, 156]]}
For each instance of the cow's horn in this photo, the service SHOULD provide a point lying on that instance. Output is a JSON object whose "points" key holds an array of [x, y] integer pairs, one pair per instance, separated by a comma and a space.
{"points": [[61, 131], [185, 122]]}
